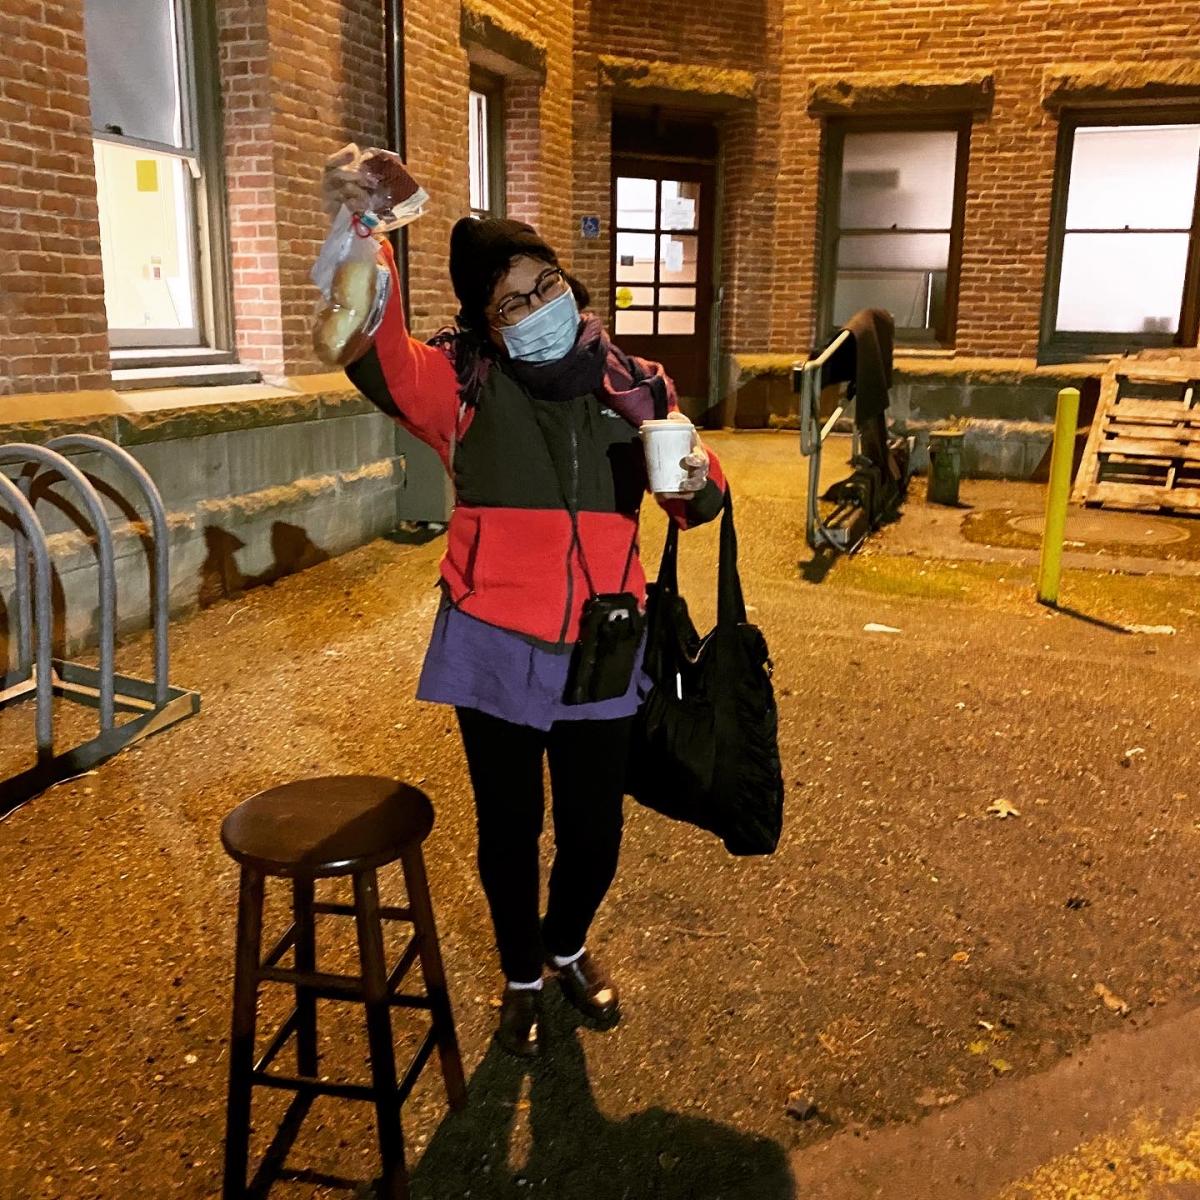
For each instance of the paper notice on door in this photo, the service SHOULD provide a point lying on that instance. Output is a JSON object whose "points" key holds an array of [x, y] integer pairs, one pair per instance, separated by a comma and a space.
{"points": [[673, 255], [679, 212]]}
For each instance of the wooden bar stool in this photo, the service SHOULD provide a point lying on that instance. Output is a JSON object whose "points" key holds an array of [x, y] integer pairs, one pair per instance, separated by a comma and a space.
{"points": [[317, 828]]}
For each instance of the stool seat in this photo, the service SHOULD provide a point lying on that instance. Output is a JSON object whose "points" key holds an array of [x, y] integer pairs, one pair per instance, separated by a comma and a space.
{"points": [[336, 825]]}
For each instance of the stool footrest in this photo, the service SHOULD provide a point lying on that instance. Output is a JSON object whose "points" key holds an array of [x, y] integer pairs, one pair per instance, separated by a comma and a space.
{"points": [[281, 947], [322, 984], [306, 1085], [278, 1041], [327, 986], [396, 978], [417, 1065], [387, 912], [315, 1087]]}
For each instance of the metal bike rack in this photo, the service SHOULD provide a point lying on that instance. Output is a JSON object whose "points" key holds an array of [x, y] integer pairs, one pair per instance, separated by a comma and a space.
{"points": [[836, 533], [156, 704], [880, 460]]}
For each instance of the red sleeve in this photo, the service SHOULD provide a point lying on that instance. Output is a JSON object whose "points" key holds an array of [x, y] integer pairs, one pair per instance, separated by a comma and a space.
{"points": [[410, 381]]}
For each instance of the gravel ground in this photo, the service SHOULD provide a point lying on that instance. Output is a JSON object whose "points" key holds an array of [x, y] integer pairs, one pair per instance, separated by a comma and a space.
{"points": [[902, 950]]}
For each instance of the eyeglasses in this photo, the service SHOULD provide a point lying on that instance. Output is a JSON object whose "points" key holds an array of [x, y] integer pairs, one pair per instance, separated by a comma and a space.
{"points": [[549, 285]]}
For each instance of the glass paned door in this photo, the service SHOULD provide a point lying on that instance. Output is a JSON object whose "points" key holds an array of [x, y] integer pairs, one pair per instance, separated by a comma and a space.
{"points": [[662, 266]]}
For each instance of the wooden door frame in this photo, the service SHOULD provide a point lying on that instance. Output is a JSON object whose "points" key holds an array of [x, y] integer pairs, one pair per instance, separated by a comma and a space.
{"points": [[706, 172]]}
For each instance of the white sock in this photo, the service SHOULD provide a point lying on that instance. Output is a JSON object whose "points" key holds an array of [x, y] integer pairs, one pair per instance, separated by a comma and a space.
{"points": [[566, 962], [535, 986]]}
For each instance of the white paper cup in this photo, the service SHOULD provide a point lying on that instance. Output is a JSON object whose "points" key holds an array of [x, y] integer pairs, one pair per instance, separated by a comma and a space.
{"points": [[666, 443]]}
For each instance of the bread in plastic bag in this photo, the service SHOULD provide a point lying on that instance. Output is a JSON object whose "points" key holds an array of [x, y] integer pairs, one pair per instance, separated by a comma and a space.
{"points": [[354, 283], [355, 286]]}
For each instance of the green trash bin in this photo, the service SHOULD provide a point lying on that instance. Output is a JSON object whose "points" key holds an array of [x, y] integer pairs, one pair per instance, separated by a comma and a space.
{"points": [[945, 465]]}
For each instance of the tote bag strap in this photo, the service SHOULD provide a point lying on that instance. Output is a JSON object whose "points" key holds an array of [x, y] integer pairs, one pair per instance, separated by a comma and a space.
{"points": [[668, 569], [731, 606]]}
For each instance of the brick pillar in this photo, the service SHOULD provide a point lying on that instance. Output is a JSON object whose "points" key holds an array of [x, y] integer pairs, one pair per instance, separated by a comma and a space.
{"points": [[244, 48], [523, 149], [593, 178], [298, 80], [53, 328]]}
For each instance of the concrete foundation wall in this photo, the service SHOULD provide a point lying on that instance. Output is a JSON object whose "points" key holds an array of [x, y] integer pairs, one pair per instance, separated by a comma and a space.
{"points": [[252, 492], [1005, 407]]}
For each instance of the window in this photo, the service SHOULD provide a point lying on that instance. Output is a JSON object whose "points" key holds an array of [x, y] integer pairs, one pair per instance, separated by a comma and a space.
{"points": [[153, 176], [893, 226], [485, 134], [1123, 261]]}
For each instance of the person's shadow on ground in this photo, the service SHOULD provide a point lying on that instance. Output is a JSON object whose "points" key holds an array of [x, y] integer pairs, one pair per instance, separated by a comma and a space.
{"points": [[576, 1152]]}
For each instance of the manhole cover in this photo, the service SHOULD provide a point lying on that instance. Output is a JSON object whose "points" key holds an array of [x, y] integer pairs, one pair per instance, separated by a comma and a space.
{"points": [[1090, 526]]}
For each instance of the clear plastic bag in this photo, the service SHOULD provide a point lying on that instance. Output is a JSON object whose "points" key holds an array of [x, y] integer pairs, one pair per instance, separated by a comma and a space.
{"points": [[355, 287], [369, 192]]}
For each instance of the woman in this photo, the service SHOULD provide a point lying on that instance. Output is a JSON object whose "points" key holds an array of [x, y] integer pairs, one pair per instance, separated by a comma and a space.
{"points": [[535, 414]]}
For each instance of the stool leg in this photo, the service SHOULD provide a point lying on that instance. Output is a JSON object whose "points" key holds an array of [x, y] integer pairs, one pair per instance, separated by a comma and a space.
{"points": [[241, 1041], [306, 960], [434, 974], [379, 1035]]}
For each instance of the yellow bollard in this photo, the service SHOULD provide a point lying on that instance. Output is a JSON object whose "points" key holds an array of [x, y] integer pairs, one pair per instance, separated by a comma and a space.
{"points": [[1058, 493]]}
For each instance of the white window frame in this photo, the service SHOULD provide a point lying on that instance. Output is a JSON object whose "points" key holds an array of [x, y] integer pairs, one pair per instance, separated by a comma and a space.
{"points": [[204, 199], [1068, 345]]}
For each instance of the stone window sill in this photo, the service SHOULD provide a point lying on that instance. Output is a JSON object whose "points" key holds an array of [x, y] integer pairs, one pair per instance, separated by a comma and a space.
{"points": [[134, 417], [129, 379]]}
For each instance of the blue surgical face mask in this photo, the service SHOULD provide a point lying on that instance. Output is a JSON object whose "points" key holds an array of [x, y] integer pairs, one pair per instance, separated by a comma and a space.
{"points": [[547, 334]]}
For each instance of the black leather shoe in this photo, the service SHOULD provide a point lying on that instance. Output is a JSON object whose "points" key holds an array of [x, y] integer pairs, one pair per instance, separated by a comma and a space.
{"points": [[519, 1031], [588, 987]]}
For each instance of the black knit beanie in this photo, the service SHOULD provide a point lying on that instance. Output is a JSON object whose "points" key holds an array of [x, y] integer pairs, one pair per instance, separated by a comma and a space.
{"points": [[480, 253]]}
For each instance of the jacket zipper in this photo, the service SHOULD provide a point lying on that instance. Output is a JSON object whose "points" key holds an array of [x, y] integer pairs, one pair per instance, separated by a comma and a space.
{"points": [[572, 505]]}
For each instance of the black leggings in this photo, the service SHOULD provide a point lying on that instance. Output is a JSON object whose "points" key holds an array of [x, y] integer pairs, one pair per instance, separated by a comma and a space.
{"points": [[587, 777]]}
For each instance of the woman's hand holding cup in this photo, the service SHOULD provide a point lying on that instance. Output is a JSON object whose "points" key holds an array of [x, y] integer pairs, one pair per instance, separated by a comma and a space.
{"points": [[676, 460]]}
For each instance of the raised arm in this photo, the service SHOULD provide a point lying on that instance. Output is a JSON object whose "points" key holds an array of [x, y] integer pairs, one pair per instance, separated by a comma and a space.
{"points": [[410, 381]]}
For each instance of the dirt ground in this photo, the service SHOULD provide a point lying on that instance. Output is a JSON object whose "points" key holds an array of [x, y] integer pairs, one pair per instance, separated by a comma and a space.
{"points": [[903, 950]]}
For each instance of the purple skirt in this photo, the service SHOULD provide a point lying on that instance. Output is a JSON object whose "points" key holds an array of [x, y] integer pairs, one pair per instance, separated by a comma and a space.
{"points": [[471, 664]]}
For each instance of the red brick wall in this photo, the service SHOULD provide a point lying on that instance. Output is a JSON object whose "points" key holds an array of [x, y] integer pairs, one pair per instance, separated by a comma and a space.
{"points": [[244, 48], [1011, 171], [53, 330], [299, 79], [540, 155], [523, 150], [738, 34]]}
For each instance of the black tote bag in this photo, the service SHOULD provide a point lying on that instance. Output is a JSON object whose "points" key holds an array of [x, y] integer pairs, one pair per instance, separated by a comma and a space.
{"points": [[706, 745]]}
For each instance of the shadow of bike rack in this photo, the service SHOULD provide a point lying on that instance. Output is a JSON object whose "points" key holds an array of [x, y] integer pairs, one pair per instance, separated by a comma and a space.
{"points": [[156, 704]]}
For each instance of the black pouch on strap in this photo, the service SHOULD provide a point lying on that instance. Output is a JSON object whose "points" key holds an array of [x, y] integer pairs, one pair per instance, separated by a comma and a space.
{"points": [[610, 631]]}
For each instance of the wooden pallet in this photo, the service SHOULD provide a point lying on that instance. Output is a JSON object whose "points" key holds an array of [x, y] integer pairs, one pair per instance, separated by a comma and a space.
{"points": [[1143, 451]]}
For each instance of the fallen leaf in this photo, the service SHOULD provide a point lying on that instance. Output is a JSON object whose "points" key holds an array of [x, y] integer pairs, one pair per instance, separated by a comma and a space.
{"points": [[978, 1047], [1003, 809], [932, 1099], [1112, 1001], [963, 956], [986, 1025], [1000, 1066]]}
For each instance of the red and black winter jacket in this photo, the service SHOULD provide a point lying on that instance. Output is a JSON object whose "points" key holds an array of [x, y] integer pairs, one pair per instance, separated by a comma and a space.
{"points": [[511, 558]]}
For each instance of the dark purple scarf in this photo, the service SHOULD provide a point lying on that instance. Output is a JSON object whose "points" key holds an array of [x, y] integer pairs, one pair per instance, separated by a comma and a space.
{"points": [[636, 389]]}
